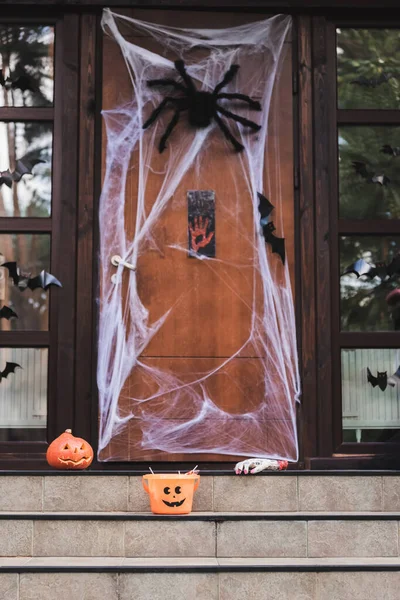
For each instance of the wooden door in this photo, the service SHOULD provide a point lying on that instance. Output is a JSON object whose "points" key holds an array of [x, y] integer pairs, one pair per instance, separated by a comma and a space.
{"points": [[205, 344]]}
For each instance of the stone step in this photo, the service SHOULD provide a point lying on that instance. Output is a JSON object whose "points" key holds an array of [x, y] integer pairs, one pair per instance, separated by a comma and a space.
{"points": [[272, 492], [201, 579], [207, 535]]}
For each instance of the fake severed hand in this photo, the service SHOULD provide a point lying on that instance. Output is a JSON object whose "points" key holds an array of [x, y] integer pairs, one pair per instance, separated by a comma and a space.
{"points": [[256, 465]]}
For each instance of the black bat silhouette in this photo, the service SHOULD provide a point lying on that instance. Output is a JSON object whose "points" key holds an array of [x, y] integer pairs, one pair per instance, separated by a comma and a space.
{"points": [[17, 81], [370, 177], [361, 267], [10, 368], [23, 166], [381, 380], [372, 82], [43, 280], [265, 208], [392, 150], [277, 244], [7, 313]]}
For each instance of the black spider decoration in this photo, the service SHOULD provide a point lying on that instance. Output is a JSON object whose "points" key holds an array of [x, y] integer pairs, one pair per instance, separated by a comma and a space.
{"points": [[202, 106]]}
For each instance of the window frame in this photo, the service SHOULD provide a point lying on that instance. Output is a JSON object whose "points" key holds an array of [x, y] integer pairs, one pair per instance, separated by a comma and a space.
{"points": [[61, 226], [328, 229]]}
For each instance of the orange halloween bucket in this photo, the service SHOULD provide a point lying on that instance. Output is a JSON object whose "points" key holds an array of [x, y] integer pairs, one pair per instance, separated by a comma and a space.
{"points": [[170, 493]]}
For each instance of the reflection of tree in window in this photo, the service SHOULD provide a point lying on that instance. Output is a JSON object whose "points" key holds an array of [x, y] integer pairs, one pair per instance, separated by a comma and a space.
{"points": [[31, 196], [363, 301], [372, 54], [27, 52], [358, 197]]}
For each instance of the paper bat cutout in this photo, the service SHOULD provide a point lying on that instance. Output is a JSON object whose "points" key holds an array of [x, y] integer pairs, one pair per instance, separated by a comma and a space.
{"points": [[381, 380], [265, 208], [277, 244], [361, 267], [372, 82], [370, 177], [394, 379], [10, 368], [393, 151], [15, 81], [7, 313], [44, 280], [23, 167]]}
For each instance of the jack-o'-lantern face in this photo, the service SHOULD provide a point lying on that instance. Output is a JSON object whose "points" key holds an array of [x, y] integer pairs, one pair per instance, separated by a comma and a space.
{"points": [[174, 495], [69, 452]]}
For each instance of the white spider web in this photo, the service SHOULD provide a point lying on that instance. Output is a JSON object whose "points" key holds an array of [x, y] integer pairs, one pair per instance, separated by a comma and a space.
{"points": [[184, 411]]}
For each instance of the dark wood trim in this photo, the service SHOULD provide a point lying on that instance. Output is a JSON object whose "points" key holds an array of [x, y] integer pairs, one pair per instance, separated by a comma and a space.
{"points": [[17, 447], [84, 292], [26, 113], [369, 227], [24, 225], [365, 463], [274, 5], [322, 100], [368, 117], [24, 339], [65, 174], [308, 410], [373, 339]]}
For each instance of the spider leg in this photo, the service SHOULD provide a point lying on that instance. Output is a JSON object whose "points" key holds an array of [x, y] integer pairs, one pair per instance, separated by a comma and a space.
{"points": [[157, 111], [180, 67], [252, 103], [237, 145], [171, 125], [239, 119], [227, 78], [165, 82]]}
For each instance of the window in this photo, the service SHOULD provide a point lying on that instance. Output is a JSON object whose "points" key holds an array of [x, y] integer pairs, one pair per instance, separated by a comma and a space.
{"points": [[38, 197], [368, 232]]}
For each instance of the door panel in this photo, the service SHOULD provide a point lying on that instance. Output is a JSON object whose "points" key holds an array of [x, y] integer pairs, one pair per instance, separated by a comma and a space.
{"points": [[212, 304]]}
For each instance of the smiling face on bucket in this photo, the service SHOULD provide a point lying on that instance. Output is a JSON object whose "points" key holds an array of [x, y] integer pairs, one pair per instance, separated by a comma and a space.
{"points": [[173, 496]]}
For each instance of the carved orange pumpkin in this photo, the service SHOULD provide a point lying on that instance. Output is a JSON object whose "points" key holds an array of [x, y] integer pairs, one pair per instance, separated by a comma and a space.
{"points": [[69, 452]]}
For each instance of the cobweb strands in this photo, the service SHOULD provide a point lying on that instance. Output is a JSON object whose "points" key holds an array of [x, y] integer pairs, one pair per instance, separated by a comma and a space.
{"points": [[229, 389]]}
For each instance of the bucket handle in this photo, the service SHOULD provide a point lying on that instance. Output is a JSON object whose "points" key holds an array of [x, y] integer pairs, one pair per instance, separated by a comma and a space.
{"points": [[145, 485]]}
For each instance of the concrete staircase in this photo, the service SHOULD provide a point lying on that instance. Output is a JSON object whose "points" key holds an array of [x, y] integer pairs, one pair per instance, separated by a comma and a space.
{"points": [[305, 536]]}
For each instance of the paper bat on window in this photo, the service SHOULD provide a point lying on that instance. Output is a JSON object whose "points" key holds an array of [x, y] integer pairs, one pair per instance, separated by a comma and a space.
{"points": [[361, 267], [17, 81], [370, 177], [10, 368], [381, 380], [7, 313], [394, 379], [392, 150], [44, 280], [23, 167], [372, 82], [277, 244]]}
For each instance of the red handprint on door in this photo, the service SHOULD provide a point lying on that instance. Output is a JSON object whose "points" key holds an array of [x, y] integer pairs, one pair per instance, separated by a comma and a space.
{"points": [[198, 234]]}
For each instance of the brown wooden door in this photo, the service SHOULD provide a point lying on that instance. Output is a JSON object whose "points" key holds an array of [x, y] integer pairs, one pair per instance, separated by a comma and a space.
{"points": [[212, 307]]}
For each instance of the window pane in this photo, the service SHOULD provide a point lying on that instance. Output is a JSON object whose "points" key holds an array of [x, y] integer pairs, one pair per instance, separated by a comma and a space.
{"points": [[368, 68], [364, 301], [27, 65], [22, 145], [369, 172], [31, 252], [371, 409], [23, 394]]}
